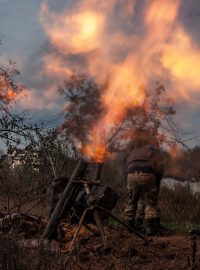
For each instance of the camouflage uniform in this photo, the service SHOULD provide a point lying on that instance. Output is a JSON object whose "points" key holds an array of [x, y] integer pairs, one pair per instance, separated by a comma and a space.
{"points": [[140, 210], [142, 183], [158, 172]]}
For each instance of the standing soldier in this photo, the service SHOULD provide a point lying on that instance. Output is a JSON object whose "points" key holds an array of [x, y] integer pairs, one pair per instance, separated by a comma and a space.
{"points": [[158, 162], [142, 162]]}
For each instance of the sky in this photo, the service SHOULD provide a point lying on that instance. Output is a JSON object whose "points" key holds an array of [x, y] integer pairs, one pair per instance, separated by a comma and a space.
{"points": [[25, 40]]}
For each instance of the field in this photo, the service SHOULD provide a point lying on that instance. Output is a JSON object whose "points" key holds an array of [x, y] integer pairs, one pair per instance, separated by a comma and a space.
{"points": [[125, 251], [180, 212]]}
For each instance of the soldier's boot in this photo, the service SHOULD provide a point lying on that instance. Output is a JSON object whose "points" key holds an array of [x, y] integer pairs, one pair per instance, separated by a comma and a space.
{"points": [[153, 227], [150, 226], [139, 222], [131, 223], [161, 230], [139, 225], [136, 226]]}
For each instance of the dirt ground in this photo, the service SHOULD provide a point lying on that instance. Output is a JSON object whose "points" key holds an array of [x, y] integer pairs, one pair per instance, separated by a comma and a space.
{"points": [[125, 251]]}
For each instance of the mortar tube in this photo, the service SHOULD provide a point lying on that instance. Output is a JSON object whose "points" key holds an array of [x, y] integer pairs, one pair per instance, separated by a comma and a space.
{"points": [[98, 171], [57, 213]]}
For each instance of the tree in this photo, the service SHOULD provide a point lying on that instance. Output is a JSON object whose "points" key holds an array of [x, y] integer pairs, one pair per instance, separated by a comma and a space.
{"points": [[83, 109], [16, 182], [29, 173], [12, 125], [183, 160]]}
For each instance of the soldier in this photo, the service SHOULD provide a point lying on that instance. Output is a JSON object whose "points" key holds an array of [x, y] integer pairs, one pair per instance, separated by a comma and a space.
{"points": [[158, 172], [142, 160]]}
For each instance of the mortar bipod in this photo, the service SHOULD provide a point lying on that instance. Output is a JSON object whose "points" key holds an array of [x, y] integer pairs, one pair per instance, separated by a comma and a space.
{"points": [[95, 211]]}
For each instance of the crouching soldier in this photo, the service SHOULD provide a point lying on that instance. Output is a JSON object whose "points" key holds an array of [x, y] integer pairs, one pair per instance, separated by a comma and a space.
{"points": [[141, 162]]}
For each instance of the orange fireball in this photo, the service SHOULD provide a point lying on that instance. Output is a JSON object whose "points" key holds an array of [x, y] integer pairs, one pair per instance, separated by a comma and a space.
{"points": [[127, 59]]}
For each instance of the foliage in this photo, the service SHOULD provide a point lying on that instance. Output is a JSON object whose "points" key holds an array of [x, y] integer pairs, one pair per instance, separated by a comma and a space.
{"points": [[83, 108], [180, 205], [187, 161], [28, 173], [12, 125], [155, 115], [52, 152], [35, 154]]}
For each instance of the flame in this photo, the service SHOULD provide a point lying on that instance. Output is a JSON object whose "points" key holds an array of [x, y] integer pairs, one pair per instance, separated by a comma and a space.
{"points": [[176, 152], [76, 33], [96, 151], [128, 59], [182, 58], [10, 95], [7, 92]]}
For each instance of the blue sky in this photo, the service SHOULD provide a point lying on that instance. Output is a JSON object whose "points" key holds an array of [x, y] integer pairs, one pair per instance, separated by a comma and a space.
{"points": [[24, 41]]}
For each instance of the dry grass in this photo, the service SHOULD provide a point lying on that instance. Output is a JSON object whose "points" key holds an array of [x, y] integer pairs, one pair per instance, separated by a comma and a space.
{"points": [[127, 253], [180, 206]]}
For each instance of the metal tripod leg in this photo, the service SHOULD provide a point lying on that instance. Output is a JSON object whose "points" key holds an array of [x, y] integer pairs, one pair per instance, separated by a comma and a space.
{"points": [[123, 224], [86, 225], [81, 222], [78, 229], [100, 226], [89, 229], [97, 218]]}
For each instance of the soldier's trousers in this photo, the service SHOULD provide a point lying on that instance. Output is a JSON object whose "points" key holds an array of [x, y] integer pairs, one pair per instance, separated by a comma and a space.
{"points": [[141, 206], [141, 185]]}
